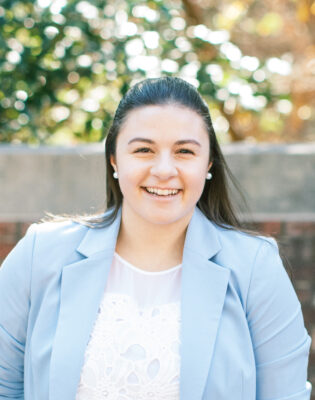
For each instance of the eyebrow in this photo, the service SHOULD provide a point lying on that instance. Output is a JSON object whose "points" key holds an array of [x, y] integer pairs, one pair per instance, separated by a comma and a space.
{"points": [[179, 142]]}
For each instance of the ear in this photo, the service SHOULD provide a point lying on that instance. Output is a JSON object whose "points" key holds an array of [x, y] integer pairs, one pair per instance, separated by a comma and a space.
{"points": [[113, 162], [210, 165]]}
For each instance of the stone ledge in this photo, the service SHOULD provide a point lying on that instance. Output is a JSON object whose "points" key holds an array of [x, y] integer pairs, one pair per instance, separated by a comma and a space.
{"points": [[278, 180]]}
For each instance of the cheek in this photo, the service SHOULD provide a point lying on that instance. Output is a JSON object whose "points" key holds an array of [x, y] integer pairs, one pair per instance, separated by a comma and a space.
{"points": [[195, 175], [194, 182], [198, 186], [130, 175]]}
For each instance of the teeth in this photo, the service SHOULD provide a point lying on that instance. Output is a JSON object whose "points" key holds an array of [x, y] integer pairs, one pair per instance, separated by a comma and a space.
{"points": [[162, 192]]}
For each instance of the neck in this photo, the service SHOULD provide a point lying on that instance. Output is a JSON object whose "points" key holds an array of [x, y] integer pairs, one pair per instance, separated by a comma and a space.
{"points": [[158, 245]]}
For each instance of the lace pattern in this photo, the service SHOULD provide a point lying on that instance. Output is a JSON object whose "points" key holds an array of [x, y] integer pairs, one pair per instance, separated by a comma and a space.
{"points": [[133, 352]]}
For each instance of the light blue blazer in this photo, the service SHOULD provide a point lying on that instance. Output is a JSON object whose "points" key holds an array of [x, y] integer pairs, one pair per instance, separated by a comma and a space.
{"points": [[242, 330]]}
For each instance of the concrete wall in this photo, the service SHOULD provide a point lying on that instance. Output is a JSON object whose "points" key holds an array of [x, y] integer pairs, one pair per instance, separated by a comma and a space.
{"points": [[278, 180], [50, 179]]}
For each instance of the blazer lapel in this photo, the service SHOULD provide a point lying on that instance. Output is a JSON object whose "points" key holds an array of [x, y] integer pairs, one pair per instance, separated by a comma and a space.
{"points": [[204, 285], [82, 289]]}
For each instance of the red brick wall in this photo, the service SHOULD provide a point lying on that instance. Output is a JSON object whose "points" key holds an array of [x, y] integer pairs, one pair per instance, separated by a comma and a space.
{"points": [[296, 239], [10, 233], [297, 243]]}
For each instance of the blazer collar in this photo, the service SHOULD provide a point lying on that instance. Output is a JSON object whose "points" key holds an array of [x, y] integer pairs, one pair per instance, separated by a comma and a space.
{"points": [[204, 285], [201, 237], [97, 240]]}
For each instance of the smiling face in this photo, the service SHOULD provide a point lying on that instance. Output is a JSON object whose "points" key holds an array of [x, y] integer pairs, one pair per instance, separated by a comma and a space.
{"points": [[162, 159]]}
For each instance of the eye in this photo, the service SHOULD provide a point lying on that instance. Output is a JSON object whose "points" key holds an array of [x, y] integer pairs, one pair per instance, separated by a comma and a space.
{"points": [[186, 151], [142, 150]]}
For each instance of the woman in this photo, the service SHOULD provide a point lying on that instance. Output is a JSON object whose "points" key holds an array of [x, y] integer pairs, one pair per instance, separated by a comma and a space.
{"points": [[162, 297]]}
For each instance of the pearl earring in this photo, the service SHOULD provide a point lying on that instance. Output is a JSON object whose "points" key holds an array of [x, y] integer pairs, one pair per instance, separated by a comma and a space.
{"points": [[209, 176], [115, 175]]}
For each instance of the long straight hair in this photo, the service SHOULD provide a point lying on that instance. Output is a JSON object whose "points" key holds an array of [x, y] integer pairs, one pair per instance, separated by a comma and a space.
{"points": [[215, 202]]}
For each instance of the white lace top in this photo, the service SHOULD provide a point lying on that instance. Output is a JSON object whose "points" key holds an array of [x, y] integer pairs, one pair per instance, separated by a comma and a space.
{"points": [[133, 351]]}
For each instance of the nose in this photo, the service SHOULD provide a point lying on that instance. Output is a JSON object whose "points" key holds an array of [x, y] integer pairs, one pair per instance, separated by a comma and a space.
{"points": [[164, 167]]}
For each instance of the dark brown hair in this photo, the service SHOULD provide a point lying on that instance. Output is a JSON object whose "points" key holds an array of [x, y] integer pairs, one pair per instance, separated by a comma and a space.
{"points": [[215, 200]]}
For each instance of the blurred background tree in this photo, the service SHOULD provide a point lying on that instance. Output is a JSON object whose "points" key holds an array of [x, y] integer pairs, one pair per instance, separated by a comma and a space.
{"points": [[64, 64]]}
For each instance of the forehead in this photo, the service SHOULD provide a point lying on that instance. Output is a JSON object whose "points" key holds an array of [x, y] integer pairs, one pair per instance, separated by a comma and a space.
{"points": [[164, 121]]}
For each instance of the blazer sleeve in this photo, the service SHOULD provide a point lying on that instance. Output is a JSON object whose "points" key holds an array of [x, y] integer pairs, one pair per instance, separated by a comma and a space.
{"points": [[280, 341], [15, 277]]}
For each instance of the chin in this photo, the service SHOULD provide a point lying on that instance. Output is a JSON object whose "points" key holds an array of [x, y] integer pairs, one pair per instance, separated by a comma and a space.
{"points": [[164, 218], [165, 221]]}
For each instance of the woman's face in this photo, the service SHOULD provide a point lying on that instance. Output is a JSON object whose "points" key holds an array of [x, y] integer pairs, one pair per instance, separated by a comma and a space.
{"points": [[162, 158]]}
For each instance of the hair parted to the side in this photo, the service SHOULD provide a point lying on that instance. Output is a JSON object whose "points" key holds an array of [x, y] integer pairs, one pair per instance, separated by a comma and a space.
{"points": [[215, 201]]}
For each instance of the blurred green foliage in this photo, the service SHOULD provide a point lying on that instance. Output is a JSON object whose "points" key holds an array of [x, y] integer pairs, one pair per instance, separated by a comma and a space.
{"points": [[64, 66]]}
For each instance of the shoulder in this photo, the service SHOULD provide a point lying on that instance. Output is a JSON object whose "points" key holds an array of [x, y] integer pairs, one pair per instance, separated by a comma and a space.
{"points": [[44, 248], [255, 265], [56, 236], [57, 230], [242, 243], [246, 256], [42, 236], [233, 248]]}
